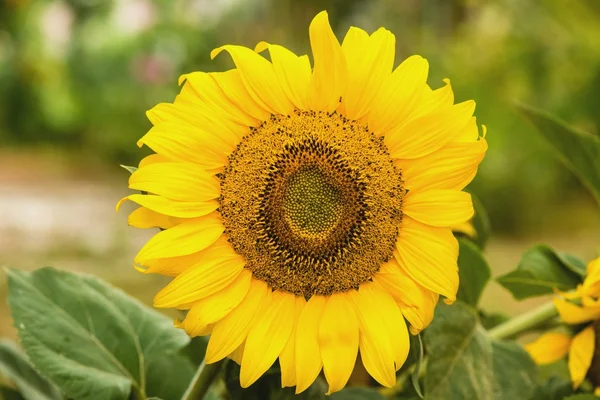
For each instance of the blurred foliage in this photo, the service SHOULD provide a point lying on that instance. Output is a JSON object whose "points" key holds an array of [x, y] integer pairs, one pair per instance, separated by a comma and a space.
{"points": [[78, 75]]}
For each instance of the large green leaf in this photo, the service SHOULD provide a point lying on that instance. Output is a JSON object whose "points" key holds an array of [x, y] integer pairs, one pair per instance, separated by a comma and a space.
{"points": [[474, 272], [540, 272], [196, 350], [464, 363], [460, 362], [586, 396], [15, 368], [169, 376], [91, 339], [579, 151], [515, 373]]}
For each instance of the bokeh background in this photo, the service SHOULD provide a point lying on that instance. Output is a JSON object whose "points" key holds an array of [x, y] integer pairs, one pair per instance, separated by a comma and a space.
{"points": [[76, 77]]}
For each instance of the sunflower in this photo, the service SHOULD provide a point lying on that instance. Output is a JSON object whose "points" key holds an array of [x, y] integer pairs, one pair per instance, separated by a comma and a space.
{"points": [[582, 309], [306, 211]]}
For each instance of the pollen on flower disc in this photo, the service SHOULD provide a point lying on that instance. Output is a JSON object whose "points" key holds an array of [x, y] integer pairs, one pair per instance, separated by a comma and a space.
{"points": [[313, 202]]}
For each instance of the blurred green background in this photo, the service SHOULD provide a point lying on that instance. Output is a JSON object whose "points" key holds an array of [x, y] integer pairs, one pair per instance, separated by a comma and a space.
{"points": [[76, 77]]}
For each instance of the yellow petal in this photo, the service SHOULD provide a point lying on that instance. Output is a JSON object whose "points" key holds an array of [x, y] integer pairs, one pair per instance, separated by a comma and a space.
{"points": [[428, 255], [398, 95], [171, 266], [153, 159], [443, 208], [330, 73], [208, 92], [287, 358], [580, 356], [176, 181], [199, 281], [293, 73], [237, 354], [370, 61], [259, 77], [376, 348], [397, 331], [574, 314], [225, 133], [430, 132], [308, 355], [146, 218], [416, 303], [451, 167], [466, 228], [211, 309], [173, 208], [267, 337], [338, 340], [231, 331], [186, 238], [590, 302], [470, 133], [232, 85], [591, 284], [549, 347], [174, 266], [434, 99], [182, 142]]}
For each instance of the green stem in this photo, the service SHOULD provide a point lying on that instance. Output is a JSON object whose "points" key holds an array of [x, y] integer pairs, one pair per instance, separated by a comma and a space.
{"points": [[524, 322], [202, 381]]}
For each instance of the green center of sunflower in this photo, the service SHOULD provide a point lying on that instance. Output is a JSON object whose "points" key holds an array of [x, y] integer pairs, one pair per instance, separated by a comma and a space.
{"points": [[313, 202]]}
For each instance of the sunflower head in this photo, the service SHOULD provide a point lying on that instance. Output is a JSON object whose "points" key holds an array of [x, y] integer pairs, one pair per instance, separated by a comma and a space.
{"points": [[307, 210]]}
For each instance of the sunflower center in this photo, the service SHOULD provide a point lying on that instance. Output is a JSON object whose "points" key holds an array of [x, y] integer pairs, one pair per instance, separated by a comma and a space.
{"points": [[313, 202]]}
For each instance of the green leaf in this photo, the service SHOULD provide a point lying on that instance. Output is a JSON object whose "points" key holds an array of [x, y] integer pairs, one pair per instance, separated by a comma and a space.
{"points": [[9, 394], [540, 272], [515, 373], [169, 376], [357, 393], [128, 168], [91, 339], [579, 151], [474, 272], [196, 350], [555, 388], [573, 263], [460, 356], [491, 320], [558, 369], [16, 368], [587, 396], [464, 363], [481, 223]]}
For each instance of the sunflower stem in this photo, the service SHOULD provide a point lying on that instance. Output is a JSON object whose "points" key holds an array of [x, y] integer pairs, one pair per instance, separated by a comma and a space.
{"points": [[202, 380], [524, 322]]}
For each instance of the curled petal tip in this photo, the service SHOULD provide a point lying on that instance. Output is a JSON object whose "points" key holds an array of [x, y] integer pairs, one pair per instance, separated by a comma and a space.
{"points": [[216, 52], [261, 46]]}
